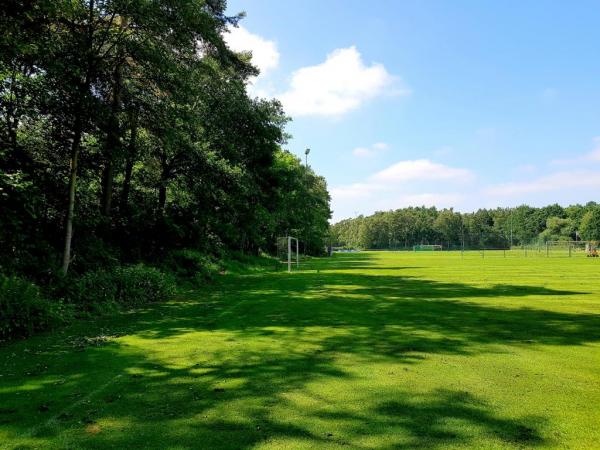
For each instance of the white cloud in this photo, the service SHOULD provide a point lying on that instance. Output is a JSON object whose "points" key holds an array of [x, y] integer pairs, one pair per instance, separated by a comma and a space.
{"points": [[559, 181], [430, 183], [265, 55], [431, 199], [575, 181], [355, 191], [339, 85], [592, 156], [365, 152], [406, 183], [421, 169]]}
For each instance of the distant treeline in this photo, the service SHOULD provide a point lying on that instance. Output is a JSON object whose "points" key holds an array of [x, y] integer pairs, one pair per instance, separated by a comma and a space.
{"points": [[485, 228]]}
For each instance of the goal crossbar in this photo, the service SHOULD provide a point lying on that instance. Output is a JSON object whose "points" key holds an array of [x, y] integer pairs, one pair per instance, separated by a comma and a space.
{"points": [[427, 247]]}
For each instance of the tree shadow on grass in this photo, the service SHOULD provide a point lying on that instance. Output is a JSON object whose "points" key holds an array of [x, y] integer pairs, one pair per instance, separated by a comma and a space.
{"points": [[245, 347], [437, 414], [437, 419], [382, 309], [233, 403]]}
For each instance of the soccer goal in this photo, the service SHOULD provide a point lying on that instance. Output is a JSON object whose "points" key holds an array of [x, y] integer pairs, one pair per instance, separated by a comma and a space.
{"points": [[427, 248], [564, 248], [288, 251]]}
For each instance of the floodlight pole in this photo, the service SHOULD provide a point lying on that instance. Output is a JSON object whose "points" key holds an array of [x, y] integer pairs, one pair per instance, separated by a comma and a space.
{"points": [[511, 228], [306, 152], [462, 238]]}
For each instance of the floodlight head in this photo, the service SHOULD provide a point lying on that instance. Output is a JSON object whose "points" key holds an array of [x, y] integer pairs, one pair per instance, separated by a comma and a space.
{"points": [[307, 151]]}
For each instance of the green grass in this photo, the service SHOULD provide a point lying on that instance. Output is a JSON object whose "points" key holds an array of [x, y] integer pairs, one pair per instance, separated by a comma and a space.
{"points": [[365, 350]]}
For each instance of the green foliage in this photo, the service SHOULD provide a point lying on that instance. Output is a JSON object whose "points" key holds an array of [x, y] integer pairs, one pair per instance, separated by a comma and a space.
{"points": [[121, 287], [23, 311], [97, 290], [590, 224], [193, 265], [299, 204], [558, 229], [94, 254], [140, 284], [198, 268], [449, 226], [240, 263], [142, 111]]}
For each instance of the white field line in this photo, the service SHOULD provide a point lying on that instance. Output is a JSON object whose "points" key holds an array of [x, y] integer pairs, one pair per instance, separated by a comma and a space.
{"points": [[52, 420]]}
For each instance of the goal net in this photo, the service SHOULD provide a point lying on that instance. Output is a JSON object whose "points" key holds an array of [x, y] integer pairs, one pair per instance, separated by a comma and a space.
{"points": [[288, 251], [427, 248]]}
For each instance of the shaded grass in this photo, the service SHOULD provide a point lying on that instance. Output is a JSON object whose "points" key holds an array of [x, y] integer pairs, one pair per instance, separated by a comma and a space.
{"points": [[367, 350]]}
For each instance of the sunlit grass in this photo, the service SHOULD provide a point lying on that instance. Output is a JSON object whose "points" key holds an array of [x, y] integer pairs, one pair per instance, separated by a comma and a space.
{"points": [[367, 350]]}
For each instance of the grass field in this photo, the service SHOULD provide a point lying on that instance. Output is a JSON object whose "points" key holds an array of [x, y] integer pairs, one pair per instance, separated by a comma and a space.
{"points": [[364, 350]]}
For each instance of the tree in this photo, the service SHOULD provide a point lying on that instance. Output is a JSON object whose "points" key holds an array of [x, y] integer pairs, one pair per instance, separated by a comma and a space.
{"points": [[558, 229], [449, 225], [590, 225], [144, 101]]}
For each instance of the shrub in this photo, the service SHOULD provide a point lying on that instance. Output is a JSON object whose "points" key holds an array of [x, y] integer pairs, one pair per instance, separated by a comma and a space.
{"points": [[140, 284], [94, 254], [97, 290], [192, 264], [22, 309], [122, 286], [244, 263]]}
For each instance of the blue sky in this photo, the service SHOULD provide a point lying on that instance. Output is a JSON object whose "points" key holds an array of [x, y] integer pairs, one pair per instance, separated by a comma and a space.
{"points": [[449, 103]]}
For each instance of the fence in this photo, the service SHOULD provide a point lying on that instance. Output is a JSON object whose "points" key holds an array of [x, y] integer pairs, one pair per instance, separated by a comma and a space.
{"points": [[552, 249], [541, 250]]}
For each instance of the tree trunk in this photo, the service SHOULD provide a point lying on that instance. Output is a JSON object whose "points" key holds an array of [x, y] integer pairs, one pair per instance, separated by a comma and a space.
{"points": [[76, 145], [113, 138], [165, 174], [107, 187], [131, 155], [162, 197], [66, 260]]}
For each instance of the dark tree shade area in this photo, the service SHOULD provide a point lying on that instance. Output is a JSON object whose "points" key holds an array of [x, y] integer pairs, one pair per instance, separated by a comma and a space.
{"points": [[126, 132], [485, 228]]}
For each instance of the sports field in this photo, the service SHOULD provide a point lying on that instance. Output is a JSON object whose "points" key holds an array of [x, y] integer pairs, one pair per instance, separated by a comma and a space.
{"points": [[362, 350]]}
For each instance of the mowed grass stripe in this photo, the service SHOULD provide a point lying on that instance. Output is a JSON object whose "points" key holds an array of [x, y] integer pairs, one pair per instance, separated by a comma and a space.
{"points": [[364, 350]]}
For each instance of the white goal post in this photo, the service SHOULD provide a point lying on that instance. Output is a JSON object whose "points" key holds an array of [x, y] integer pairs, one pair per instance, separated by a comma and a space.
{"points": [[289, 243], [285, 249], [561, 248]]}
